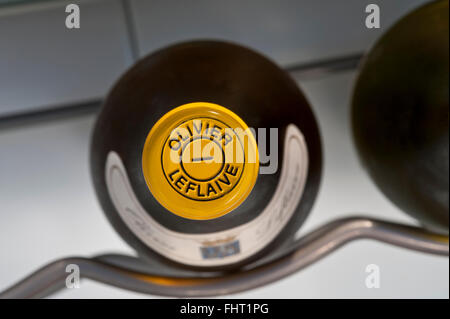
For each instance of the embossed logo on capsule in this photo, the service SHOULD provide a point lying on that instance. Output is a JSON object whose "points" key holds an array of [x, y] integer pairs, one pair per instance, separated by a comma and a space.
{"points": [[203, 159]]}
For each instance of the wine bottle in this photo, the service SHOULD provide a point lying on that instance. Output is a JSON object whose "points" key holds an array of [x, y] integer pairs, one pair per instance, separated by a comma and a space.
{"points": [[206, 154], [400, 114]]}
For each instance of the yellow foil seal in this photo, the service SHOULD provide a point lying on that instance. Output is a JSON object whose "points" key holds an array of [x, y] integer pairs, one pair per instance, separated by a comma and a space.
{"points": [[200, 161]]}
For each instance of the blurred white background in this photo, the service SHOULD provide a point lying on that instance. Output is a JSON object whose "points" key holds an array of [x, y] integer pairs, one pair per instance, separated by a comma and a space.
{"points": [[49, 209]]}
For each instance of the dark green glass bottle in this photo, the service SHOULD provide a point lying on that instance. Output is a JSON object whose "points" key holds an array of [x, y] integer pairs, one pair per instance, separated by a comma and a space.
{"points": [[196, 211]]}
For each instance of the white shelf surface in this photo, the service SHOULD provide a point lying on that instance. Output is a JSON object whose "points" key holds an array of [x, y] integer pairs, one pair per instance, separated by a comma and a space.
{"points": [[49, 210]]}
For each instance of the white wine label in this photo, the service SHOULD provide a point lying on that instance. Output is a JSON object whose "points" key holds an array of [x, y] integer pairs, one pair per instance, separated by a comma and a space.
{"points": [[218, 248]]}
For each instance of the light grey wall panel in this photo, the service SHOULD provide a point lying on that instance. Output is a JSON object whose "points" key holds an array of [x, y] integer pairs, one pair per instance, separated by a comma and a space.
{"points": [[42, 63], [289, 31]]}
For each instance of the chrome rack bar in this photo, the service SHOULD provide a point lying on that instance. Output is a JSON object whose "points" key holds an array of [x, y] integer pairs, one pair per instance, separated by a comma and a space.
{"points": [[304, 252], [302, 71]]}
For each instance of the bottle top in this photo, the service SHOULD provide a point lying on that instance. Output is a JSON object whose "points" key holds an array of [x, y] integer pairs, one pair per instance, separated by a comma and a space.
{"points": [[200, 161]]}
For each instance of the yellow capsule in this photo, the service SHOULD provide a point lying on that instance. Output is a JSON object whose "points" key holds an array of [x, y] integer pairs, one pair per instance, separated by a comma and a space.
{"points": [[200, 161]]}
